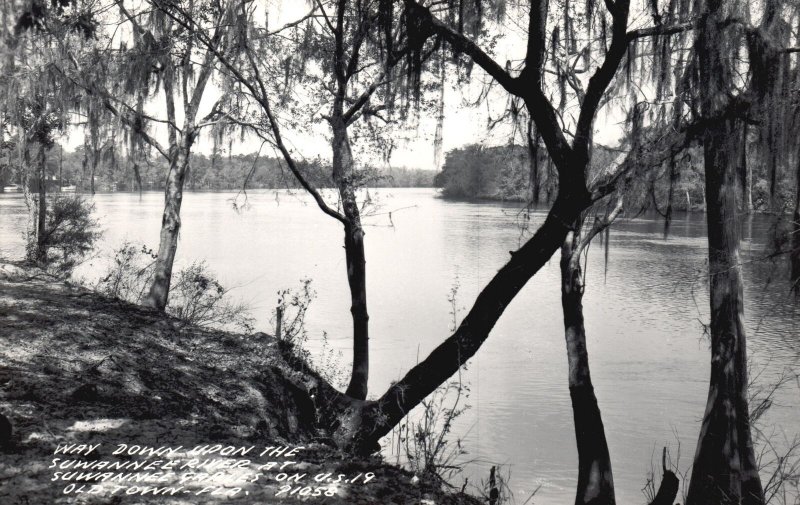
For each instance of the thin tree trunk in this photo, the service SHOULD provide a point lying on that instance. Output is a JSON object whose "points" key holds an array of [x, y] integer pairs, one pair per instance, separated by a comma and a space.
{"points": [[41, 247], [595, 478], [725, 469], [747, 175], [794, 254], [95, 161], [355, 258], [179, 158], [60, 168], [158, 294], [533, 154], [673, 180]]}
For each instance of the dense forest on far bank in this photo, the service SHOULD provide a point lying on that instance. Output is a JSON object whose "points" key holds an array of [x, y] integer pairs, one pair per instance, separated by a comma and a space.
{"points": [[505, 173], [206, 173]]}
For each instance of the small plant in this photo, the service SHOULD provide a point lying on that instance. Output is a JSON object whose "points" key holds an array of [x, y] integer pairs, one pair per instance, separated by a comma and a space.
{"points": [[130, 273], [70, 234], [198, 298], [496, 491], [289, 324], [423, 440]]}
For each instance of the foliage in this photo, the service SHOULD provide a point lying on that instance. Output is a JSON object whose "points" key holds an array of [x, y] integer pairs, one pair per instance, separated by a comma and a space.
{"points": [[206, 173], [70, 233], [197, 296], [423, 440], [289, 323], [476, 171], [129, 274]]}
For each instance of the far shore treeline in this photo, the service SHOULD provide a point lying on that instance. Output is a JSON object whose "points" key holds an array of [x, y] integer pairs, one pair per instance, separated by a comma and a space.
{"points": [[506, 173], [206, 173], [472, 172]]}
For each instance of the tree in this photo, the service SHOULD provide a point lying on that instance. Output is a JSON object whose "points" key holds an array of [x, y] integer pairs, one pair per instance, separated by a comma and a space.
{"points": [[164, 57], [355, 64], [363, 423], [36, 100], [595, 481]]}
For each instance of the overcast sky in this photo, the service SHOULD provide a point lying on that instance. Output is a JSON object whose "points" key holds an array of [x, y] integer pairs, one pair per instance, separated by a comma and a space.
{"points": [[415, 143]]}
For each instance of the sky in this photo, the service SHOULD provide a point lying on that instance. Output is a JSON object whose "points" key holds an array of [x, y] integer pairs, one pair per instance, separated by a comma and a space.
{"points": [[463, 124]]}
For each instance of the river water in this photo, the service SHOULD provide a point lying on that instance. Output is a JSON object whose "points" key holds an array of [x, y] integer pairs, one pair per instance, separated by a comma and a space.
{"points": [[644, 316]]}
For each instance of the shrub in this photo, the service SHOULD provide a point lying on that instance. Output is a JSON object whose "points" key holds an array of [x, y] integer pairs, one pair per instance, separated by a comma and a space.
{"points": [[196, 296], [70, 234]]}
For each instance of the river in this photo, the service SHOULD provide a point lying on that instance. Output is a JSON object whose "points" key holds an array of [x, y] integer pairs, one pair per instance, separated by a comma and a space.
{"points": [[644, 316]]}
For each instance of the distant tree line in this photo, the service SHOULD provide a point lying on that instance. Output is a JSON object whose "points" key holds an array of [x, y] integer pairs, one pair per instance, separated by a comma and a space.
{"points": [[477, 172], [205, 173]]}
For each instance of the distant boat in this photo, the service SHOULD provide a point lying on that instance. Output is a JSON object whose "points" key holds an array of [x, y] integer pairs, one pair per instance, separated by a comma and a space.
{"points": [[12, 188], [68, 189]]}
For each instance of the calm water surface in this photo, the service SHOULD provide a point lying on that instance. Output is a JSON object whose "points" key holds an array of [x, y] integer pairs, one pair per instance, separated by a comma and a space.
{"points": [[643, 316]]}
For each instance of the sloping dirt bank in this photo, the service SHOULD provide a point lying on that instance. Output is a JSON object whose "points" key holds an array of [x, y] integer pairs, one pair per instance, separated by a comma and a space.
{"points": [[226, 418]]}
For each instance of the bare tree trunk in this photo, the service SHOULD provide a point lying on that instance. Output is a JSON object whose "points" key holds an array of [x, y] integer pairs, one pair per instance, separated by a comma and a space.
{"points": [[673, 180], [158, 295], [355, 258], [60, 167], [137, 175], [595, 478], [41, 247], [533, 153], [725, 469], [746, 175], [794, 254]]}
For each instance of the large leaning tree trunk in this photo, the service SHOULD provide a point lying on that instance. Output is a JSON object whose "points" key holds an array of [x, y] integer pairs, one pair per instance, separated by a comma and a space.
{"points": [[725, 469], [595, 478], [360, 425]]}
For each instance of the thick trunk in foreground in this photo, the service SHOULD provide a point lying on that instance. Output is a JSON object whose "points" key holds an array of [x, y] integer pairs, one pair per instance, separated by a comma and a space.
{"points": [[725, 469], [355, 259], [595, 478], [362, 424]]}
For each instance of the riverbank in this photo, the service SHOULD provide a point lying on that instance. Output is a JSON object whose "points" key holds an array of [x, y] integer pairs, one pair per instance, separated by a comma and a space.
{"points": [[78, 369]]}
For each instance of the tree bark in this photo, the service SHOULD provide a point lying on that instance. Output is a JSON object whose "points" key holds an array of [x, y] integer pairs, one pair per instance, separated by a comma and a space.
{"points": [[595, 478], [354, 255], [794, 254], [725, 469], [533, 154], [41, 214], [179, 154], [158, 294]]}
